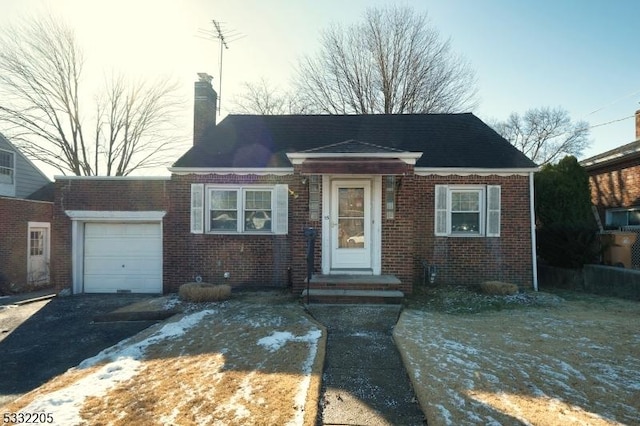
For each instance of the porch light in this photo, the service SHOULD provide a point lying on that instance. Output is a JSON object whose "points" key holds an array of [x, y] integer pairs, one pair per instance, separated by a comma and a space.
{"points": [[390, 197]]}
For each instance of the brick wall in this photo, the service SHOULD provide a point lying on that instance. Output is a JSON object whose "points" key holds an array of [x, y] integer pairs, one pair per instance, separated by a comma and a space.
{"points": [[97, 194], [614, 186], [280, 260], [471, 260], [251, 260], [15, 215]]}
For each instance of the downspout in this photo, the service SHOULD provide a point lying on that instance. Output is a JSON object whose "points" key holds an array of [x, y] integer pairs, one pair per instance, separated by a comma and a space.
{"points": [[534, 254]]}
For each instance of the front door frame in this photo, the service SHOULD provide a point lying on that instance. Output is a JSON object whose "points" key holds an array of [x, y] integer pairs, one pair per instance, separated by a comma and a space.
{"points": [[376, 224]]}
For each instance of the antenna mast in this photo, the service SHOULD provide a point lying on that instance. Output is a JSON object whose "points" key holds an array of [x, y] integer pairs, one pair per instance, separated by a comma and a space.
{"points": [[223, 36]]}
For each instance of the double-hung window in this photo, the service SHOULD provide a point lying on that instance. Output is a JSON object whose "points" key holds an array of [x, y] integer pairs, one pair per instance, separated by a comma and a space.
{"points": [[239, 209], [7, 167], [467, 210]]}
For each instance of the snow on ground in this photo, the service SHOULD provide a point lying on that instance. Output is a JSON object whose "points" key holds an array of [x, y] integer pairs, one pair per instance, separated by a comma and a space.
{"points": [[121, 363], [556, 366], [231, 364]]}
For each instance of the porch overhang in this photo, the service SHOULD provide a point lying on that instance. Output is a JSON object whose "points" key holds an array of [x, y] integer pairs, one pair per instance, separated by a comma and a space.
{"points": [[353, 157], [354, 166]]}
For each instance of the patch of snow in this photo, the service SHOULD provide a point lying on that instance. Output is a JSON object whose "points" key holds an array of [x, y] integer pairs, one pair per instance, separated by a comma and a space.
{"points": [[446, 414], [569, 369], [278, 339], [301, 395], [64, 405], [125, 349], [124, 363], [170, 303]]}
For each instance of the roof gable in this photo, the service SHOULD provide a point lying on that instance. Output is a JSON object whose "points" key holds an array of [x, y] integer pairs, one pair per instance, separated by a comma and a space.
{"points": [[446, 140], [352, 147]]}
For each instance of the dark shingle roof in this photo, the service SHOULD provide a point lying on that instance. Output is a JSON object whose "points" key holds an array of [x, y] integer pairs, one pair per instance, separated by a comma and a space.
{"points": [[446, 140]]}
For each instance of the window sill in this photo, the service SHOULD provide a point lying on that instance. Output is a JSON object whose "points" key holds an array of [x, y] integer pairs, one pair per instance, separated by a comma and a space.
{"points": [[252, 233]]}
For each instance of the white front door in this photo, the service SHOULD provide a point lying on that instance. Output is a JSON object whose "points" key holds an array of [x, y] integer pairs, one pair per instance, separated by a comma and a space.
{"points": [[350, 221], [38, 250]]}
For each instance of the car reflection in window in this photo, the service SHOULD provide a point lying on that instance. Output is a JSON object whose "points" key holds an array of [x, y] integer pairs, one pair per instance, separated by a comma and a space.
{"points": [[258, 221], [356, 240]]}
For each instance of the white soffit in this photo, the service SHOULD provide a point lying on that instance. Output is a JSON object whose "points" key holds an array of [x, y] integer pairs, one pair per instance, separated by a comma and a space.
{"points": [[262, 171]]}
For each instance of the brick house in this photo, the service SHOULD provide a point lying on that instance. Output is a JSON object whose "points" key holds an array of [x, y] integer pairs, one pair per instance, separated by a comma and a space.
{"points": [[386, 195], [614, 177], [25, 221]]}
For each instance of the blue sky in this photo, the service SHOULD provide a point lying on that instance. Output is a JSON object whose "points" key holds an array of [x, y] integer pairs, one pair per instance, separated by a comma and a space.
{"points": [[578, 54]]}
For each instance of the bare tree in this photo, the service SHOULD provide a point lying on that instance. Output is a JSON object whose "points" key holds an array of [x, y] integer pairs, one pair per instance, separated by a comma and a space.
{"points": [[41, 106], [265, 99], [392, 62], [545, 134]]}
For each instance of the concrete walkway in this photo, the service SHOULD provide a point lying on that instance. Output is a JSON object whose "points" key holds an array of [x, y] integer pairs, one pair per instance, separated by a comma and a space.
{"points": [[364, 380]]}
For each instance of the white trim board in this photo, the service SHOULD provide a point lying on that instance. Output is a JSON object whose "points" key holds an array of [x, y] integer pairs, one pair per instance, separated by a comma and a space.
{"points": [[463, 171], [107, 215], [260, 171]]}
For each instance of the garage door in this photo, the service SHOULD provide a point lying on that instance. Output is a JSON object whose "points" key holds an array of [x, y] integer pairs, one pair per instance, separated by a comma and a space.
{"points": [[122, 257]]}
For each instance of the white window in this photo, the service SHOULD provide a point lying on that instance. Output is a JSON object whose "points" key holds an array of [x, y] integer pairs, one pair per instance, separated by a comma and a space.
{"points": [[239, 209], [467, 210], [7, 167]]}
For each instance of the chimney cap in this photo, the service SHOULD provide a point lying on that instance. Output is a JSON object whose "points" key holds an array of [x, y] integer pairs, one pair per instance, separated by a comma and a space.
{"points": [[204, 77]]}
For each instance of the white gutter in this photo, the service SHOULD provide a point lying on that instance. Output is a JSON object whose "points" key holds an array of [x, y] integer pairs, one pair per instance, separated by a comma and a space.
{"points": [[277, 171], [534, 254], [466, 171], [73, 177]]}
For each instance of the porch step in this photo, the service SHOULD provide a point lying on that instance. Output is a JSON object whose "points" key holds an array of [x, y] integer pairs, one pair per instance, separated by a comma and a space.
{"points": [[355, 282], [342, 296]]}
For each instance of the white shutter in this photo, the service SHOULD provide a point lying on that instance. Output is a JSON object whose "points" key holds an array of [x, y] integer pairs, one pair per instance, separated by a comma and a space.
{"points": [[197, 208], [281, 210], [493, 211], [441, 216]]}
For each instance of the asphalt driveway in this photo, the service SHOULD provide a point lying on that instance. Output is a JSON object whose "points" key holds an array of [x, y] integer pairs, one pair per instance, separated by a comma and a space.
{"points": [[43, 339]]}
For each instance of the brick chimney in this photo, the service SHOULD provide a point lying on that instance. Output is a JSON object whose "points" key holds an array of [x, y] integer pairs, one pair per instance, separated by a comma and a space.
{"points": [[204, 107], [638, 124]]}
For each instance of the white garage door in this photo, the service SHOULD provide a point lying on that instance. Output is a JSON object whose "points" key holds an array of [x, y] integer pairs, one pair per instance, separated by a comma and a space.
{"points": [[122, 257]]}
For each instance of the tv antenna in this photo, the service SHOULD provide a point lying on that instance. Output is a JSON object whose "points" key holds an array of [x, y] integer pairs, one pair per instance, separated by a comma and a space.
{"points": [[224, 36]]}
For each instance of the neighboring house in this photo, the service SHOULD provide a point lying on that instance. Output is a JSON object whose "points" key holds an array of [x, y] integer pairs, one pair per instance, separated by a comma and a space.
{"points": [[385, 194], [26, 209], [614, 177]]}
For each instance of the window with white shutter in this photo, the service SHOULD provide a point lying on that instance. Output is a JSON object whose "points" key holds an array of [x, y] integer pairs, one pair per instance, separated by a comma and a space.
{"points": [[233, 209], [467, 210]]}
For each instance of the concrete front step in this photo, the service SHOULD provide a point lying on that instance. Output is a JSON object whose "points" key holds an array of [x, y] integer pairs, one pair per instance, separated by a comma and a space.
{"points": [[355, 282], [341, 296]]}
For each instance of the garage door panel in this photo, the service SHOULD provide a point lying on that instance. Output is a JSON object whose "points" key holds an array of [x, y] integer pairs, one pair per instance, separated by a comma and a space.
{"points": [[123, 257], [111, 284], [115, 266], [140, 247]]}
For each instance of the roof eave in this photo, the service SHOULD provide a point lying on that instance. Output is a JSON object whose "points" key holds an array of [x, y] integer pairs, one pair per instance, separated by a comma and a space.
{"points": [[480, 171], [277, 171]]}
